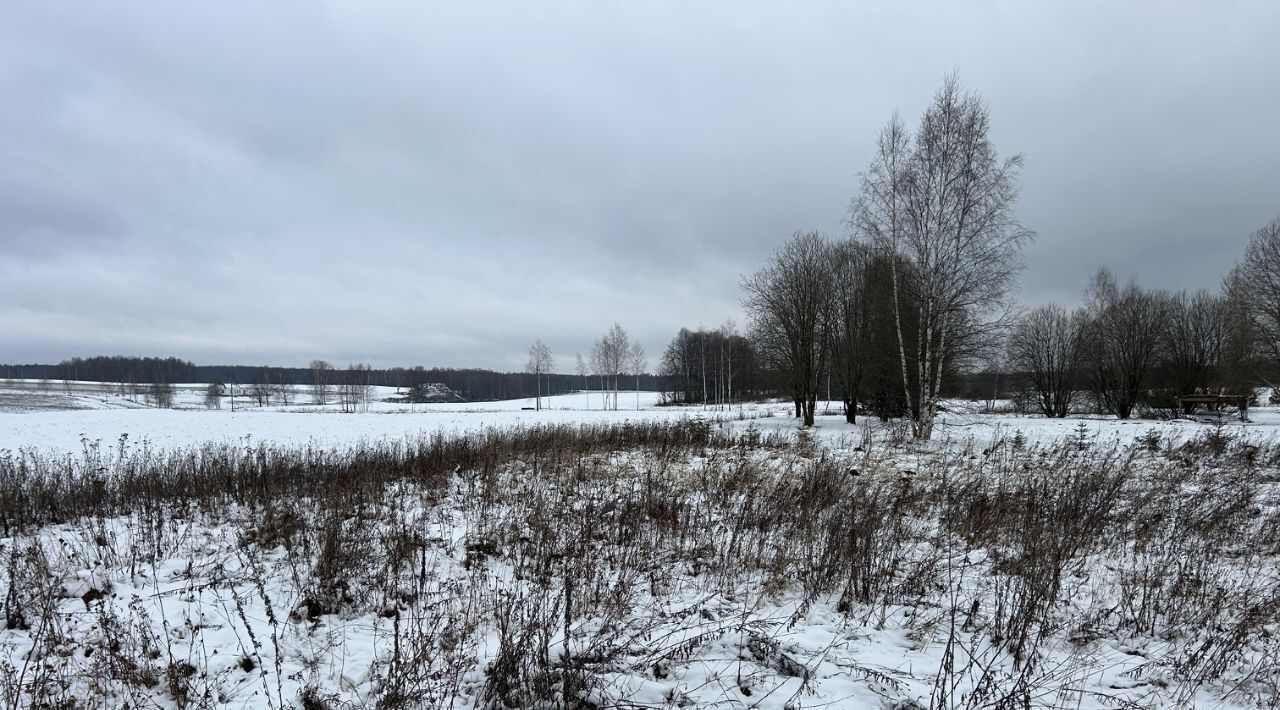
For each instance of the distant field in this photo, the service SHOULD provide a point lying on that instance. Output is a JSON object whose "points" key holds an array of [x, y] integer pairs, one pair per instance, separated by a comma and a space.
{"points": [[47, 417]]}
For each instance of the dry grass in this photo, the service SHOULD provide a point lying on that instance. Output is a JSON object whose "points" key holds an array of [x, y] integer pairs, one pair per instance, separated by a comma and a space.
{"points": [[587, 555]]}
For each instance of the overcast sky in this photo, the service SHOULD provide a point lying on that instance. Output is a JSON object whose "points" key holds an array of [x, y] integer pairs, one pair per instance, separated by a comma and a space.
{"points": [[439, 184]]}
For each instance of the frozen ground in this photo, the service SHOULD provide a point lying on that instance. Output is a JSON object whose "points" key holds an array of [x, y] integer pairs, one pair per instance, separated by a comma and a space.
{"points": [[56, 421], [847, 570], [50, 418]]}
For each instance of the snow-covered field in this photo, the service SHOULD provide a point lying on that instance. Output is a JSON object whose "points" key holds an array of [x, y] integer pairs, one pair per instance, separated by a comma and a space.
{"points": [[37, 417], [37, 423], [697, 557]]}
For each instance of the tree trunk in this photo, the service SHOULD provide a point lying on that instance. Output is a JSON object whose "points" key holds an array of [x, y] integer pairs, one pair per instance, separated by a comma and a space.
{"points": [[902, 347]]}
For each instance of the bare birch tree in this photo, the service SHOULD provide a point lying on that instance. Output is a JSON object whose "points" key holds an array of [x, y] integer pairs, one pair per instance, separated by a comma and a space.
{"points": [[637, 362], [616, 349], [583, 372], [941, 201], [598, 368], [321, 376], [609, 360], [356, 390], [539, 364], [724, 370]]}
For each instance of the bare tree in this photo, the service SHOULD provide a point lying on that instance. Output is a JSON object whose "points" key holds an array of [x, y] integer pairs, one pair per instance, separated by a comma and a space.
{"points": [[850, 320], [1121, 335], [283, 390], [261, 389], [356, 389], [616, 349], [609, 360], [724, 368], [677, 368], [583, 372], [1046, 347], [160, 393], [598, 368], [321, 384], [1193, 342], [1236, 362], [1255, 284], [702, 367], [213, 395], [539, 363], [941, 201], [788, 302], [637, 362]]}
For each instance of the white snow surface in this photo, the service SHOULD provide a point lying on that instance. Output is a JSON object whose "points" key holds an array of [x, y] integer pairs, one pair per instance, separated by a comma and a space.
{"points": [[55, 421], [219, 606], [37, 417]]}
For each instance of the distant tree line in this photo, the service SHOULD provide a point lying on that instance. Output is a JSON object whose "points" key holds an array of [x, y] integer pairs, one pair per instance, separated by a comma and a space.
{"points": [[826, 326], [472, 384], [1128, 349], [823, 328], [476, 385], [711, 367], [917, 304], [113, 368]]}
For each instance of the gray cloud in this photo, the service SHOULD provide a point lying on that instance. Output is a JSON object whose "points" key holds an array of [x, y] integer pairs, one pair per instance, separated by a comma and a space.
{"points": [[440, 184]]}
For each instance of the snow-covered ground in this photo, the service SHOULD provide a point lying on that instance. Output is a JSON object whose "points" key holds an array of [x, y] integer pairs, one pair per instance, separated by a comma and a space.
{"points": [[36, 417], [833, 573], [55, 421]]}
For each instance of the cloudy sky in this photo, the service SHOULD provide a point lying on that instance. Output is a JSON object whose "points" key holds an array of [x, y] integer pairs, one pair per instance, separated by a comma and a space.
{"points": [[440, 183]]}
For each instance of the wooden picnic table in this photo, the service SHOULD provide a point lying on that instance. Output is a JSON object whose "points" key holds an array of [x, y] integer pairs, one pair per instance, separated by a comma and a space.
{"points": [[1215, 402]]}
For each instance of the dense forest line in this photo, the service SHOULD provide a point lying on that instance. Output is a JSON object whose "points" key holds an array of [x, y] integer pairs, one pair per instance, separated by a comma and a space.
{"points": [[473, 384]]}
